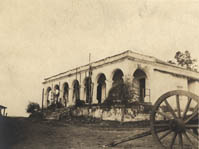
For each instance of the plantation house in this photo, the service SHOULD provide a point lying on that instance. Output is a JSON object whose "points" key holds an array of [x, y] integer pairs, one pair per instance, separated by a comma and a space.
{"points": [[150, 76]]}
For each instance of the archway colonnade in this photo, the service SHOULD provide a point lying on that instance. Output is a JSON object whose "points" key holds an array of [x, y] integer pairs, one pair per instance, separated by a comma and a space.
{"points": [[94, 89]]}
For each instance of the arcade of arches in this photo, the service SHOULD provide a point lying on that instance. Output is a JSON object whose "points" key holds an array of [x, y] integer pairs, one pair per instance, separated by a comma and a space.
{"points": [[68, 94]]}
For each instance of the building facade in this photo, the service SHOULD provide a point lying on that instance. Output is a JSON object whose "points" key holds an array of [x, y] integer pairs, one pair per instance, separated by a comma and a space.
{"points": [[91, 83]]}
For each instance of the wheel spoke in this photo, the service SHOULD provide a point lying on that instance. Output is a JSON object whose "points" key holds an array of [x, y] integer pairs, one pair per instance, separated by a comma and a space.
{"points": [[163, 114], [193, 134], [170, 108], [161, 130], [180, 140], [186, 136], [178, 106], [187, 107], [194, 114], [192, 126], [161, 125], [173, 140], [166, 134]]}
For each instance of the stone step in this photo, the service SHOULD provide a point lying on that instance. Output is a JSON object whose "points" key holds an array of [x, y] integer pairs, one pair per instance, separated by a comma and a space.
{"points": [[55, 115]]}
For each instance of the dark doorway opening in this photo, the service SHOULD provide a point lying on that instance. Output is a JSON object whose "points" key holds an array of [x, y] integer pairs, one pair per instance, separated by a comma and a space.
{"points": [[142, 89], [99, 93], [88, 89], [101, 88], [65, 94], [76, 91], [140, 84]]}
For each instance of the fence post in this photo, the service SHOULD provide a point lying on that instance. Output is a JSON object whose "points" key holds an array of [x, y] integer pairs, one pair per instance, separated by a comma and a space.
{"points": [[42, 105]]}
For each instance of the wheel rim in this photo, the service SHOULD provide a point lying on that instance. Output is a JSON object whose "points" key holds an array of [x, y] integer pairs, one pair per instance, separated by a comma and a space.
{"points": [[174, 120]]}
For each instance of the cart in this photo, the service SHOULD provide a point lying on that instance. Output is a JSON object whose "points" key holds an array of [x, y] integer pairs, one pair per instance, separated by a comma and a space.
{"points": [[173, 121]]}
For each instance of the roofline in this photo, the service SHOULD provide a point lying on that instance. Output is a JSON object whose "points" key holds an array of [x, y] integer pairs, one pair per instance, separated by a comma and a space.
{"points": [[125, 52], [93, 67], [176, 74], [86, 65]]}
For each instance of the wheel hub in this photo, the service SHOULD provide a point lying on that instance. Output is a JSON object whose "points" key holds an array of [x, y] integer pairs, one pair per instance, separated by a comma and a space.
{"points": [[177, 125]]}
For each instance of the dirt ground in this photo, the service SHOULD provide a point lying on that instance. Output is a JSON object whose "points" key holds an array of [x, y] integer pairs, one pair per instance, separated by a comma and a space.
{"points": [[23, 133]]}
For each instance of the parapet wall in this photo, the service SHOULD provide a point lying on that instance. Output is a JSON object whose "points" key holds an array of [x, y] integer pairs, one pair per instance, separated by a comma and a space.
{"points": [[123, 114]]}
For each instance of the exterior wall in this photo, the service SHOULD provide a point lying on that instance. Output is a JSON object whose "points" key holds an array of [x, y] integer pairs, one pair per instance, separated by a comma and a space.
{"points": [[160, 77], [107, 70], [193, 87], [163, 82], [114, 114]]}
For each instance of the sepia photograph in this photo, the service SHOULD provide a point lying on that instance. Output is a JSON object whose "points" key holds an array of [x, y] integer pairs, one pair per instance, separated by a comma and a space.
{"points": [[99, 74]]}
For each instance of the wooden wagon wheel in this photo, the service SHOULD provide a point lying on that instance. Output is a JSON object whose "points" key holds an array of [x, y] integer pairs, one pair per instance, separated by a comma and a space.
{"points": [[174, 120]]}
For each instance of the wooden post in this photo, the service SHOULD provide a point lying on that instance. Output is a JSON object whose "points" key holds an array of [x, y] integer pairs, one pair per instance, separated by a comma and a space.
{"points": [[42, 104], [4, 112], [137, 136], [90, 81], [58, 97]]}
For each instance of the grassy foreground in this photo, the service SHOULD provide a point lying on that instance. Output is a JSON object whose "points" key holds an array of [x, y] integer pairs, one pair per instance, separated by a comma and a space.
{"points": [[25, 133]]}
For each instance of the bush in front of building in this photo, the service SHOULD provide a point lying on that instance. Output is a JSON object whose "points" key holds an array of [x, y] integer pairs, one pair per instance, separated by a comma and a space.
{"points": [[80, 103], [32, 107], [55, 105], [34, 110], [120, 94]]}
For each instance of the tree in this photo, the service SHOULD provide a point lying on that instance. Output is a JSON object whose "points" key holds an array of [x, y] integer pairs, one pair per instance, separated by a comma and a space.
{"points": [[185, 60], [32, 107]]}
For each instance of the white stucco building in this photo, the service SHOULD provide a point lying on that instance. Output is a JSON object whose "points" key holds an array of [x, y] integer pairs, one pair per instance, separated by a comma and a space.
{"points": [[151, 77]]}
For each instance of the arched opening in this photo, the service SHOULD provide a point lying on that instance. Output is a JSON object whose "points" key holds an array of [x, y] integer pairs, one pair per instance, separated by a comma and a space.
{"points": [[76, 91], [101, 88], [48, 95], [88, 89], [56, 92], [117, 77], [139, 82], [65, 93]]}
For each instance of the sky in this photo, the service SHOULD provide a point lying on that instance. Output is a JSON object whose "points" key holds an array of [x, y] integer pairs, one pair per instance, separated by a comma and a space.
{"points": [[41, 38]]}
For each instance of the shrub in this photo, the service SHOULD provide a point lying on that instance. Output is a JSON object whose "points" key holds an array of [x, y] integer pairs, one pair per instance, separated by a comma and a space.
{"points": [[147, 108], [59, 105], [80, 103], [32, 107], [52, 106], [36, 116], [121, 94], [55, 105]]}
